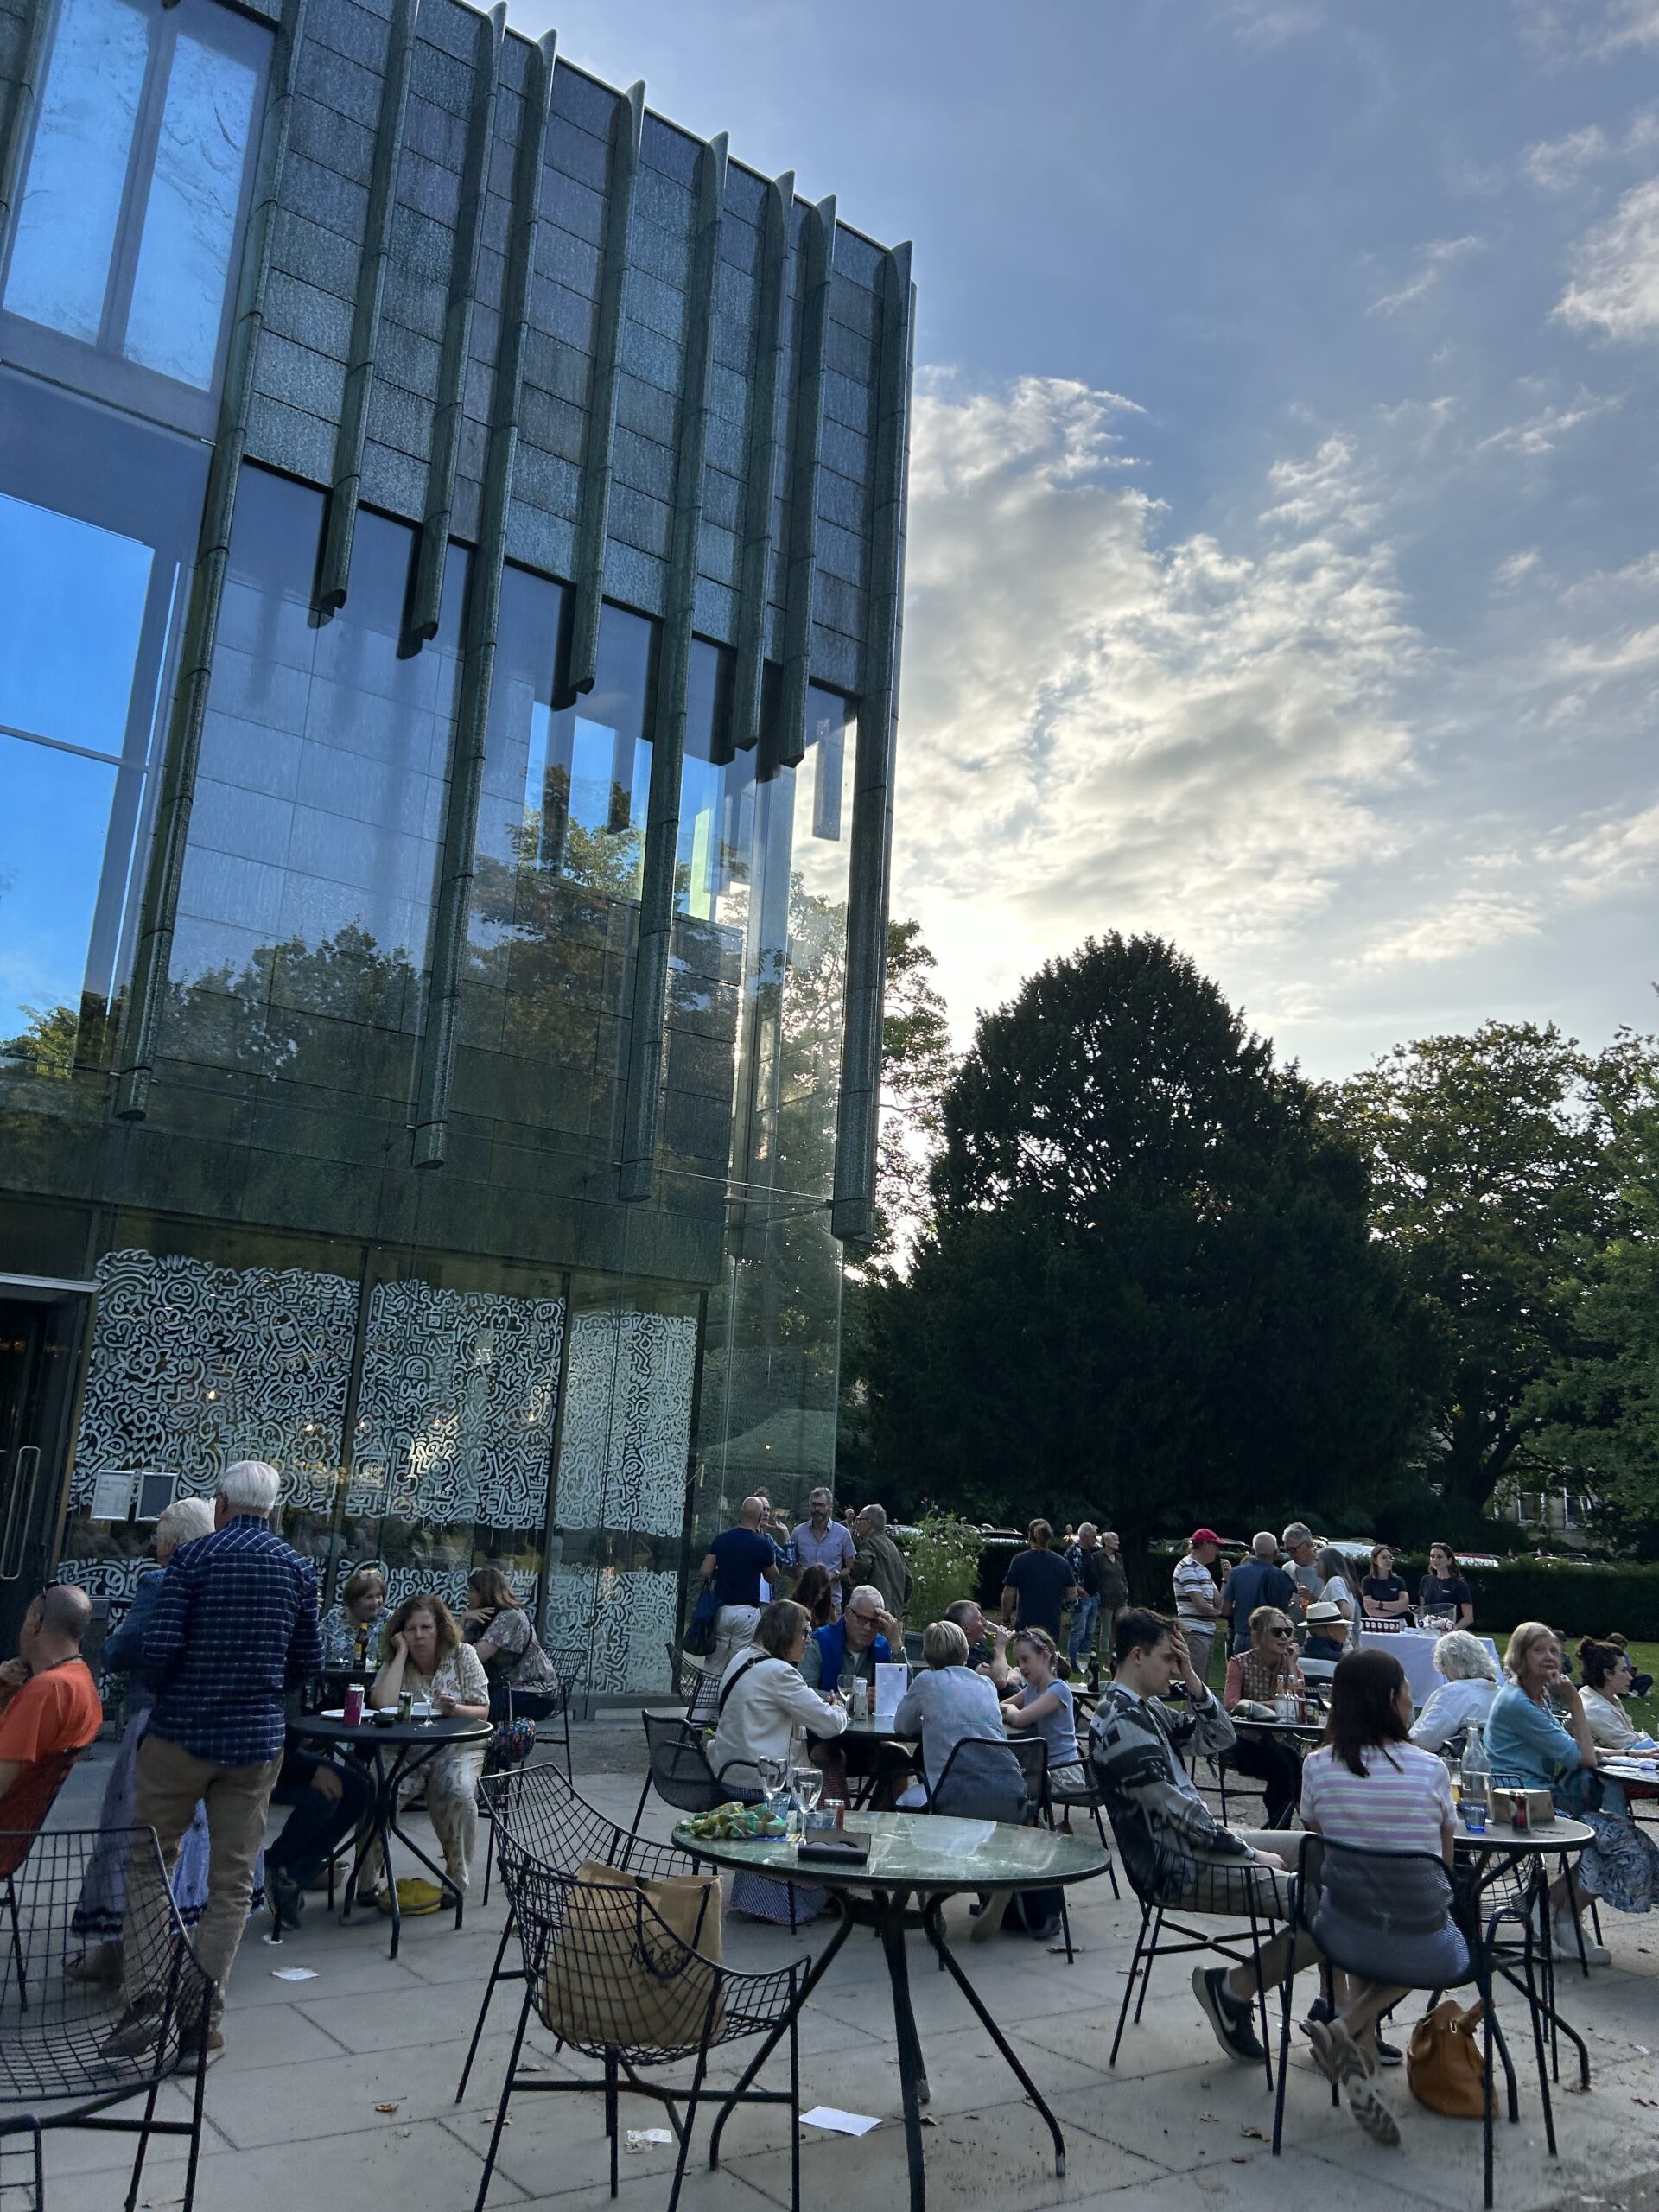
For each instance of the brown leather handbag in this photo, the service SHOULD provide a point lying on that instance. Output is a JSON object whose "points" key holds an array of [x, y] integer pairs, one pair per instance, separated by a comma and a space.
{"points": [[1444, 2064]]}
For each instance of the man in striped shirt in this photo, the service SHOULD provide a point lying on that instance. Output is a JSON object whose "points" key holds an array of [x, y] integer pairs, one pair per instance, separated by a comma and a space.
{"points": [[234, 1629]]}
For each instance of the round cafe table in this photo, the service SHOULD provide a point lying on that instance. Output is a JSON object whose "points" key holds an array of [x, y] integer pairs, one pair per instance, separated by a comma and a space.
{"points": [[392, 1750], [930, 1858], [1499, 1849]]}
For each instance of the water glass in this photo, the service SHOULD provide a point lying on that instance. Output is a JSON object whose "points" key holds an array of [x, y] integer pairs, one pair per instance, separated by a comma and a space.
{"points": [[774, 1781], [806, 1783]]}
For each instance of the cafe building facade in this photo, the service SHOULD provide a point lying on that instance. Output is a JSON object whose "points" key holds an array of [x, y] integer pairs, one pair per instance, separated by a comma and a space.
{"points": [[451, 557]]}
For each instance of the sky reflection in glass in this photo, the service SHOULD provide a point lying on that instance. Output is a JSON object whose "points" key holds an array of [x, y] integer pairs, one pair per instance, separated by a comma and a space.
{"points": [[53, 827], [69, 622], [190, 223]]}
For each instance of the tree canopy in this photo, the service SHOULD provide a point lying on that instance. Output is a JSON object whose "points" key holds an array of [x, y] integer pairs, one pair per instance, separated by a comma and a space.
{"points": [[1149, 1282], [1492, 1180]]}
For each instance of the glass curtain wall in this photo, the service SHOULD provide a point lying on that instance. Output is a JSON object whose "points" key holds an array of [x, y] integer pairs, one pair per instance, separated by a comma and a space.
{"points": [[306, 902], [768, 1398], [98, 527]]}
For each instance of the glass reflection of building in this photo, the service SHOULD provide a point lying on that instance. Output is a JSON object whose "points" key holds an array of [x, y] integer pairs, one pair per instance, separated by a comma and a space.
{"points": [[451, 531]]}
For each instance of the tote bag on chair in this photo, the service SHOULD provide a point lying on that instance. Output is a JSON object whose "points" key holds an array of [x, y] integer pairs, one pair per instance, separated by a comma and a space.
{"points": [[633, 1961]]}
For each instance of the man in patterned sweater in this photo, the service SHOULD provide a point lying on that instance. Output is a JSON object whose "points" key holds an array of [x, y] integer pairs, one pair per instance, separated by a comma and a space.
{"points": [[1174, 1849]]}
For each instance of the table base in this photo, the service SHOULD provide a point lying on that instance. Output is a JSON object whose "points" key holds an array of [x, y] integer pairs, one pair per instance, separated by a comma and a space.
{"points": [[891, 1915], [383, 1824]]}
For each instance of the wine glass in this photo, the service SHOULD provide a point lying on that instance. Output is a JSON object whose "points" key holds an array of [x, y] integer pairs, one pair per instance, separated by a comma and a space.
{"points": [[808, 1783], [774, 1781]]}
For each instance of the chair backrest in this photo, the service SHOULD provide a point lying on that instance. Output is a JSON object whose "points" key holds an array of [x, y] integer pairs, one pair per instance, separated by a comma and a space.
{"points": [[991, 1778], [1376, 1912], [680, 1771], [51, 2024], [537, 1810], [28, 1801], [684, 1673]]}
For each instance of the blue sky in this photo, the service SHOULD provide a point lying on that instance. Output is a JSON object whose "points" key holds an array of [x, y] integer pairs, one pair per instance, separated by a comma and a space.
{"points": [[1285, 551]]}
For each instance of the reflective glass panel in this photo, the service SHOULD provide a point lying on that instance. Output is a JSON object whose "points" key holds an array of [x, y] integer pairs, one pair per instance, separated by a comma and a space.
{"points": [[178, 297], [53, 827], [70, 618], [308, 883], [587, 774], [71, 205]]}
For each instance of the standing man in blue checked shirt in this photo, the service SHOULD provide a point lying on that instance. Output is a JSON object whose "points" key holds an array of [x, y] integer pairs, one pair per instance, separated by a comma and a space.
{"points": [[235, 1626]]}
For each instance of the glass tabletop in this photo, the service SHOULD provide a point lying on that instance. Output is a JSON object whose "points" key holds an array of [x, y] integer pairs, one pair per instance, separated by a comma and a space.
{"points": [[874, 1723], [923, 1851]]}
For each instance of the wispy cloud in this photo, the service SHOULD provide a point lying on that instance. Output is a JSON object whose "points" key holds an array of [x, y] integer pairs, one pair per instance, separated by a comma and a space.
{"points": [[1111, 731], [1614, 287], [1540, 433], [1470, 921], [1438, 256]]}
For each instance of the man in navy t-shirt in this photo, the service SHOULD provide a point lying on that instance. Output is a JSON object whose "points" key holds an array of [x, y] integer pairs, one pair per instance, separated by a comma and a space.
{"points": [[735, 1564], [1259, 1581], [1037, 1585]]}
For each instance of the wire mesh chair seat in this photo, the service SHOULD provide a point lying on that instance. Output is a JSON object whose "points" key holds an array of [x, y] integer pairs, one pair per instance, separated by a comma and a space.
{"points": [[684, 1674], [1226, 1889], [608, 1974], [54, 2072], [1381, 1917], [551, 1824]]}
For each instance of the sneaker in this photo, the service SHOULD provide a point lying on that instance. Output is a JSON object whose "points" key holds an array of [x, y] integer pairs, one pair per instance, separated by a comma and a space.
{"points": [[191, 2042], [136, 2030], [1564, 1938], [284, 1896], [1232, 2017], [1388, 2054], [1348, 2064]]}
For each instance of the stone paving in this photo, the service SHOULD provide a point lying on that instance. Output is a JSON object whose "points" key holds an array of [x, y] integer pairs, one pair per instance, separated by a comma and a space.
{"points": [[341, 2091]]}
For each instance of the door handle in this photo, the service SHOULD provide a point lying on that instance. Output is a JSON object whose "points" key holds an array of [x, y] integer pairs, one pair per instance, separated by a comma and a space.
{"points": [[20, 1512]]}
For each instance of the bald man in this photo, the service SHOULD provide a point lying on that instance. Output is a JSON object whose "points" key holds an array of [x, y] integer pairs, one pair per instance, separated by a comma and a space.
{"points": [[48, 1702], [736, 1564]]}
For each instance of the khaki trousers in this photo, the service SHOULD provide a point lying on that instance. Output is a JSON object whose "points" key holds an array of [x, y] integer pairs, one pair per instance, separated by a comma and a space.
{"points": [[170, 1783]]}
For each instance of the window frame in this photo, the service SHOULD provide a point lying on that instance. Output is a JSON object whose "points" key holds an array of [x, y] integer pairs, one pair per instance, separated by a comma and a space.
{"points": [[99, 366]]}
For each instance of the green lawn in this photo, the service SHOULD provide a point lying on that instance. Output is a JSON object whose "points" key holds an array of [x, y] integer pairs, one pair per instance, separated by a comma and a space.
{"points": [[1644, 1657]]}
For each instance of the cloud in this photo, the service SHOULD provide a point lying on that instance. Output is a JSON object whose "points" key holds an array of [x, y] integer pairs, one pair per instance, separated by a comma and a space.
{"points": [[1517, 566], [1619, 854], [1556, 163], [1102, 730], [1271, 23], [1614, 287], [1438, 256], [1594, 29], [1470, 921], [1543, 432]]}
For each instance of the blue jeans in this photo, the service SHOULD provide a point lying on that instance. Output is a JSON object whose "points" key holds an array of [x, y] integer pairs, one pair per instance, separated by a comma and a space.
{"points": [[1083, 1616]]}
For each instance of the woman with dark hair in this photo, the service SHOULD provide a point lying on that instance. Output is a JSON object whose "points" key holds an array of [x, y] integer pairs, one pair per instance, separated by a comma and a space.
{"points": [[1369, 1786], [1443, 1589], [522, 1683], [816, 1593], [1608, 1680], [1384, 1595], [1336, 1586]]}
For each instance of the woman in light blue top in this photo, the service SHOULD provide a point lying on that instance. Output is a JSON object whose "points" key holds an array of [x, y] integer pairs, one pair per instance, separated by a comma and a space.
{"points": [[1537, 1736], [1043, 1703], [947, 1705]]}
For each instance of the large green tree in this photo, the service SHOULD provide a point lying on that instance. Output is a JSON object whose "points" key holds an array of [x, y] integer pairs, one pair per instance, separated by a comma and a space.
{"points": [[1149, 1281], [1493, 1181], [1598, 1407]]}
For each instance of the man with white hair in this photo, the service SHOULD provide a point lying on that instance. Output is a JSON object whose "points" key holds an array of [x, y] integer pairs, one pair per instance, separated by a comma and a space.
{"points": [[1260, 1581], [235, 1626], [879, 1561]]}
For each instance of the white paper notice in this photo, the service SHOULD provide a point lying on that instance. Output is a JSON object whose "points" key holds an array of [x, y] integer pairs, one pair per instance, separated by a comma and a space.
{"points": [[843, 2123], [293, 1973], [891, 1683], [112, 1495]]}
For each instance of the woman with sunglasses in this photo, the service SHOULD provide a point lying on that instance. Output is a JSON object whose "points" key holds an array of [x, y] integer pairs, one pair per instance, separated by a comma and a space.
{"points": [[1268, 1671]]}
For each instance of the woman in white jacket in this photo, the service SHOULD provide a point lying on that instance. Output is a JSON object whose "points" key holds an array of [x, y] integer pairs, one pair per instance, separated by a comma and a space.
{"points": [[764, 1705]]}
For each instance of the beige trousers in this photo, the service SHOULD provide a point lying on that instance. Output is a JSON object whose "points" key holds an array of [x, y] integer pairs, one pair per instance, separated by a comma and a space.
{"points": [[170, 1782]]}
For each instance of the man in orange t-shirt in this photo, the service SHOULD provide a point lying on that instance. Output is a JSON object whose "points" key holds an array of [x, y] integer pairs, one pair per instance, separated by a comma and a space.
{"points": [[48, 1702]]}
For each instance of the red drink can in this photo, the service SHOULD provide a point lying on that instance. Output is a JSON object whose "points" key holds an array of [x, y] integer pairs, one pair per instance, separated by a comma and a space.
{"points": [[355, 1705]]}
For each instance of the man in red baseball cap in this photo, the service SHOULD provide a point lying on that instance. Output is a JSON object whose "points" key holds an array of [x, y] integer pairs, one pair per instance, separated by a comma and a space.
{"points": [[1197, 1598]]}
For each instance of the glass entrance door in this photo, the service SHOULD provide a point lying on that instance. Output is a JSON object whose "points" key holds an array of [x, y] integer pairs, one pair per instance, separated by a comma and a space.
{"points": [[42, 1329]]}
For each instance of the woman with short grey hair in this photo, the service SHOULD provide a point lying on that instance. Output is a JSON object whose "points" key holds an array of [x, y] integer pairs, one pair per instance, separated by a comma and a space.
{"points": [[1468, 1685], [949, 1704]]}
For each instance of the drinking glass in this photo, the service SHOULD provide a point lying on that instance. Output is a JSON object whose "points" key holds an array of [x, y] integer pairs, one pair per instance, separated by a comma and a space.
{"points": [[774, 1781], [807, 1783]]}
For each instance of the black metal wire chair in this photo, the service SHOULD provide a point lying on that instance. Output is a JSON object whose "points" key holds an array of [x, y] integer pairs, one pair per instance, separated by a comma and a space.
{"points": [[555, 1826], [608, 1974], [682, 1773], [684, 1674], [1226, 1890], [1377, 1901], [54, 2072]]}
